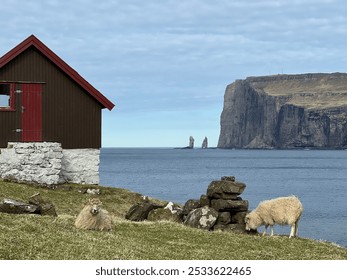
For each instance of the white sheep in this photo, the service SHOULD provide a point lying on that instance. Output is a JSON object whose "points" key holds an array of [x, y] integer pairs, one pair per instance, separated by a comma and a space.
{"points": [[282, 211], [93, 217]]}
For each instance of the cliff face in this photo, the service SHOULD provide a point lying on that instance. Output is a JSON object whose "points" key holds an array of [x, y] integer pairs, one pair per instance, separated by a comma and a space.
{"points": [[285, 111]]}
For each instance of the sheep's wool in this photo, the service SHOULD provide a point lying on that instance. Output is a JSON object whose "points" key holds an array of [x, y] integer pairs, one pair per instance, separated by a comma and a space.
{"points": [[100, 221], [282, 211]]}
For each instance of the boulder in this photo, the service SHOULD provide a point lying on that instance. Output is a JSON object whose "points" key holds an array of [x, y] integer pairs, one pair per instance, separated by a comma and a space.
{"points": [[45, 207], [238, 217], [48, 209], [225, 189], [12, 206], [139, 211], [202, 218], [228, 178], [224, 218], [204, 200], [229, 205], [164, 214], [190, 205]]}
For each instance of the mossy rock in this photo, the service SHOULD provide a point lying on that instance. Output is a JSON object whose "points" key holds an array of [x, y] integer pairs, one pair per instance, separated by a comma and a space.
{"points": [[140, 211], [162, 214]]}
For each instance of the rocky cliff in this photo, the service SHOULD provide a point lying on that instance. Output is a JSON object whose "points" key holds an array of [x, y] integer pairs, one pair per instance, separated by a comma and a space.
{"points": [[285, 111]]}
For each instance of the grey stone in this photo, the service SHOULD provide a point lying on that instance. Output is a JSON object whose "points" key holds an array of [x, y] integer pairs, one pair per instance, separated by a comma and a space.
{"points": [[139, 212], [204, 200], [190, 205], [225, 189], [45, 208], [238, 217], [229, 205], [12, 206], [228, 178], [48, 209], [162, 214], [224, 218], [202, 218]]}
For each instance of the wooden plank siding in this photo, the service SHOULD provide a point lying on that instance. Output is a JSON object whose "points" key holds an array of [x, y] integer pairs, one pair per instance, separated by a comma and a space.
{"points": [[70, 115]]}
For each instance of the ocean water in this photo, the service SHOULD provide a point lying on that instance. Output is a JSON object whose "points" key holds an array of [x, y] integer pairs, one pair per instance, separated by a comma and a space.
{"points": [[317, 177]]}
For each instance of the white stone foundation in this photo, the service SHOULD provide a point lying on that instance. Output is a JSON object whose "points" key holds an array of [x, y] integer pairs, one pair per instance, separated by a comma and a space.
{"points": [[46, 163], [80, 166]]}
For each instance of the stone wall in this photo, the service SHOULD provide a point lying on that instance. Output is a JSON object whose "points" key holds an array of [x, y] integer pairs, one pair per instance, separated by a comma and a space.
{"points": [[221, 208], [46, 163], [80, 166]]}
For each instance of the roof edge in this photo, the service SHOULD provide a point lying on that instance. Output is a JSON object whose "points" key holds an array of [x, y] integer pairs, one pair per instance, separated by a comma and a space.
{"points": [[34, 41]]}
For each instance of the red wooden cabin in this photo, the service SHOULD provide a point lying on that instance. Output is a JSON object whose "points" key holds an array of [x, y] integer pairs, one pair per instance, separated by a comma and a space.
{"points": [[43, 99]]}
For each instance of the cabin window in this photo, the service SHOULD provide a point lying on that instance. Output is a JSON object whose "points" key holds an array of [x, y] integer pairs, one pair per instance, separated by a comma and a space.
{"points": [[6, 97]]}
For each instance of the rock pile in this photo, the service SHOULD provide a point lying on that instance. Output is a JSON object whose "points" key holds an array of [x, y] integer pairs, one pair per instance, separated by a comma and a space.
{"points": [[147, 210], [221, 208]]}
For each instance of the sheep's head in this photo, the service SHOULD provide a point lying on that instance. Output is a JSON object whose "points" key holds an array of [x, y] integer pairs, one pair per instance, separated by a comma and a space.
{"points": [[95, 205], [252, 221]]}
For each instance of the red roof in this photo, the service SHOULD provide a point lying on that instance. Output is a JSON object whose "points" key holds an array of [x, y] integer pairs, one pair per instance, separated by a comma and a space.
{"points": [[33, 41]]}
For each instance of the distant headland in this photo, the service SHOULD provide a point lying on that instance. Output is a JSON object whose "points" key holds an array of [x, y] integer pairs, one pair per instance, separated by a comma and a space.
{"points": [[285, 111]]}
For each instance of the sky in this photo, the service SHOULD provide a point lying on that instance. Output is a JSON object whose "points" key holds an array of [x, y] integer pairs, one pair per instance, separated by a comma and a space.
{"points": [[165, 64]]}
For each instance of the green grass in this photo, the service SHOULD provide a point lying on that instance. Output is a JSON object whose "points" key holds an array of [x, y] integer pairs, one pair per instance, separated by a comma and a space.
{"points": [[42, 237], [322, 92]]}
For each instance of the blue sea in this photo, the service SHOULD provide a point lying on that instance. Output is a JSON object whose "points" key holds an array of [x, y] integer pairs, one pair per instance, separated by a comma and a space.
{"points": [[317, 177]]}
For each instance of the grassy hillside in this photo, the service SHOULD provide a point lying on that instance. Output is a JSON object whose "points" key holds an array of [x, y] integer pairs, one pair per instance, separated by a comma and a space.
{"points": [[44, 237], [313, 91]]}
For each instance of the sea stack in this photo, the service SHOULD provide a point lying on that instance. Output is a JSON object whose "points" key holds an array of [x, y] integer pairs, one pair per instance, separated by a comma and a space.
{"points": [[204, 144], [191, 142]]}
